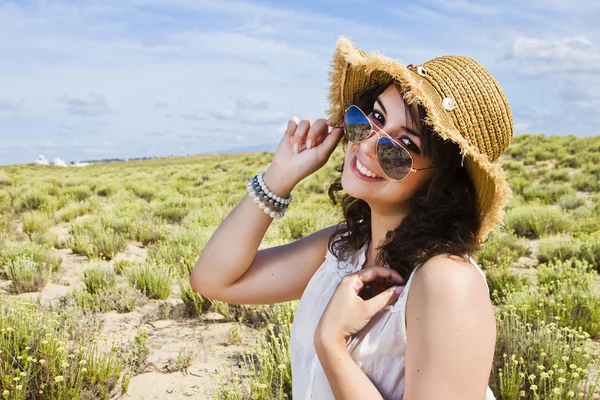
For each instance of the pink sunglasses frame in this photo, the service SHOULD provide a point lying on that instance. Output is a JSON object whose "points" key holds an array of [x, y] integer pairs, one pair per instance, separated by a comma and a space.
{"points": [[379, 131]]}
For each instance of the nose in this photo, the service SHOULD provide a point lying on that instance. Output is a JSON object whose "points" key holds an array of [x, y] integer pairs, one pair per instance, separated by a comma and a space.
{"points": [[368, 147]]}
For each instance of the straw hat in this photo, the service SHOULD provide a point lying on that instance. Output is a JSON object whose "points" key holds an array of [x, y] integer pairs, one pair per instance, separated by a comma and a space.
{"points": [[464, 103]]}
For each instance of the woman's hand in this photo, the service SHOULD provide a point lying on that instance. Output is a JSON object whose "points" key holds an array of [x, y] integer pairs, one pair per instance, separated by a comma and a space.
{"points": [[304, 148], [347, 313]]}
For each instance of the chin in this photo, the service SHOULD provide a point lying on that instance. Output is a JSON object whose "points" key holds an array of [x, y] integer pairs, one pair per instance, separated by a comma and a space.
{"points": [[353, 186]]}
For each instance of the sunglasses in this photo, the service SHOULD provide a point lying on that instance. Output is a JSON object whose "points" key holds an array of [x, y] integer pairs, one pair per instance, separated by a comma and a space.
{"points": [[395, 160]]}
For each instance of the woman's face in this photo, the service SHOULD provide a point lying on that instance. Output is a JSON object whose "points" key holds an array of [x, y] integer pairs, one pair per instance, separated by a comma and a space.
{"points": [[387, 196]]}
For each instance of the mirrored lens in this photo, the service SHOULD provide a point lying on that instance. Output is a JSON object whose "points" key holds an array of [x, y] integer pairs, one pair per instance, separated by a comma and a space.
{"points": [[358, 127], [393, 159]]}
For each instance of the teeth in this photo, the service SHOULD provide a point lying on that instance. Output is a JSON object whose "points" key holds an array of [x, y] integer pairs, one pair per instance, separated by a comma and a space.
{"points": [[364, 170]]}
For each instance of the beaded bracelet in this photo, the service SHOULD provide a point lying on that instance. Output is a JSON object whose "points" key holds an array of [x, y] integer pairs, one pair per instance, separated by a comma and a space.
{"points": [[272, 204], [266, 207]]}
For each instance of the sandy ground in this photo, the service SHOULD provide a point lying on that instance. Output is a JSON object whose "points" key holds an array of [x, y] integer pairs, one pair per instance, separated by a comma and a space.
{"points": [[201, 341]]}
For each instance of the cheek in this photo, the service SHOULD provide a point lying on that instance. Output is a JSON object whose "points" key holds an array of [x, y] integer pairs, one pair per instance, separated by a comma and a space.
{"points": [[403, 190]]}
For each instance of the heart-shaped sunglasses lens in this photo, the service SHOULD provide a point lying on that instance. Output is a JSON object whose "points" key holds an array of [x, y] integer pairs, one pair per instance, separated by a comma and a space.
{"points": [[358, 126], [393, 159]]}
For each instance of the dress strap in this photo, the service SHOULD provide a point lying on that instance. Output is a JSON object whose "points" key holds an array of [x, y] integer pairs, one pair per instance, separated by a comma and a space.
{"points": [[472, 261]]}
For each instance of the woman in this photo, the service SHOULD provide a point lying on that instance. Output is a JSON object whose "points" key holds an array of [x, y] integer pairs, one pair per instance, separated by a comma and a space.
{"points": [[421, 195]]}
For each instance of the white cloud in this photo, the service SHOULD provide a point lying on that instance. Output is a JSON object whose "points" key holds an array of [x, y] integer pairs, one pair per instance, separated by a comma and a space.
{"points": [[196, 116], [89, 105], [465, 6], [238, 64], [243, 103], [271, 118], [566, 55], [222, 114], [10, 104], [159, 105]]}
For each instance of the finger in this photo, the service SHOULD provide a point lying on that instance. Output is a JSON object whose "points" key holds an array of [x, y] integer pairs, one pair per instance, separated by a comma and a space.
{"points": [[292, 126], [315, 131], [372, 273], [331, 140], [385, 298], [300, 134]]}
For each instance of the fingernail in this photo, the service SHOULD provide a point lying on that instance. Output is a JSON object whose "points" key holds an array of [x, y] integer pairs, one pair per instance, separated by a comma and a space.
{"points": [[295, 147], [399, 290], [308, 144], [329, 121]]}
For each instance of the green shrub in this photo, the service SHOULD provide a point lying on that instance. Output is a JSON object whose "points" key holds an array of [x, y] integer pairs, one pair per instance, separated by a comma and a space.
{"points": [[27, 275], [554, 175], [502, 281], [30, 250], [268, 363], [5, 180], [5, 202], [173, 210], [121, 298], [98, 278], [195, 304], [78, 193], [142, 191], [576, 272], [547, 193], [517, 184], [35, 224], [569, 162], [586, 182], [571, 302], [570, 202], [34, 200], [152, 280], [5, 224], [180, 250], [534, 357], [501, 245], [107, 190], [56, 351], [589, 250], [93, 241], [150, 230], [514, 168], [74, 210], [121, 266], [557, 247], [536, 221]]}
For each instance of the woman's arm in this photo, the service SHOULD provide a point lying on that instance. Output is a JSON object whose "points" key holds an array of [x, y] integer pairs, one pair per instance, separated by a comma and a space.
{"points": [[345, 377], [451, 332]]}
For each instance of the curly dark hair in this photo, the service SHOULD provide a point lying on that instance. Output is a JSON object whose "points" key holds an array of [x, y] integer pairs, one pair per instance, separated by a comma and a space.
{"points": [[443, 216]]}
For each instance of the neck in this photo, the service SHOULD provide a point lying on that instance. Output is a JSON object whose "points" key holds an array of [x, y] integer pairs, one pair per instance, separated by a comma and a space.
{"points": [[381, 223]]}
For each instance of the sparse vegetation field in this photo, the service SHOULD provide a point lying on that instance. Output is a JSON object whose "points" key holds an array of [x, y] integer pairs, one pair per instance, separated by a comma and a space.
{"points": [[95, 302]]}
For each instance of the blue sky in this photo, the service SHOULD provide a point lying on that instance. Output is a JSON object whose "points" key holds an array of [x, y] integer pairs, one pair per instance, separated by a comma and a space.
{"points": [[130, 78]]}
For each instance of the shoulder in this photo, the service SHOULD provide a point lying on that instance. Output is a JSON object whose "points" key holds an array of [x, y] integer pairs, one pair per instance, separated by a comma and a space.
{"points": [[450, 277], [450, 290], [449, 316]]}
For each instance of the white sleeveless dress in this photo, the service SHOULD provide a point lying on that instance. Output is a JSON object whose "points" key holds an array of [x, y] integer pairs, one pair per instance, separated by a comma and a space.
{"points": [[378, 349]]}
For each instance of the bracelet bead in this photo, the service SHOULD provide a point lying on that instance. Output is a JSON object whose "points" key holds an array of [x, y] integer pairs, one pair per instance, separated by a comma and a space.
{"points": [[273, 205]]}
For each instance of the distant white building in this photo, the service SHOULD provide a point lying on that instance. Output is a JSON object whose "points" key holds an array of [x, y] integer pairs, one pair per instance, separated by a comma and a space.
{"points": [[41, 160], [81, 164], [59, 162]]}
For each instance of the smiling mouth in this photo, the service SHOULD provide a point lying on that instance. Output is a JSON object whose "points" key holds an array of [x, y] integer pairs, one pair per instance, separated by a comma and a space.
{"points": [[361, 171]]}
